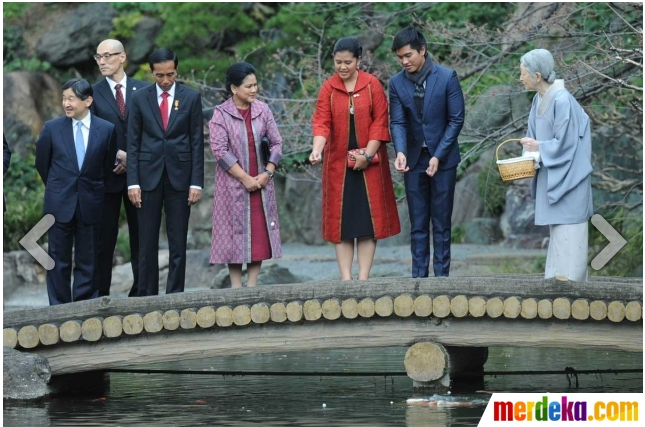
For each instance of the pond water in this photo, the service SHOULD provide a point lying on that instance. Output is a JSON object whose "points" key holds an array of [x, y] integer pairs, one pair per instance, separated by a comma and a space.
{"points": [[196, 400]]}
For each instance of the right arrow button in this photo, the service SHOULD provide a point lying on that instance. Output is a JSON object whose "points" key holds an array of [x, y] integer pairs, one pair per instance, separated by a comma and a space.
{"points": [[616, 242]]}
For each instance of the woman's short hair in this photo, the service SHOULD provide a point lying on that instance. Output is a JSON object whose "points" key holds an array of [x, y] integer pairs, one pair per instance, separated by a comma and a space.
{"points": [[348, 44], [236, 73], [539, 61]]}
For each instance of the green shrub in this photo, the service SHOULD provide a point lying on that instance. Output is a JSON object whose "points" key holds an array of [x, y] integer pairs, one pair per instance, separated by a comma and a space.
{"points": [[24, 191], [13, 44], [539, 264], [11, 10], [458, 234], [29, 64], [124, 25], [492, 190]]}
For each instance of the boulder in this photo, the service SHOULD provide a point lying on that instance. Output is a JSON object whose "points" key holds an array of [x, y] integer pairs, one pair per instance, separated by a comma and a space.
{"points": [[142, 42], [467, 204], [517, 223], [25, 376], [73, 41], [200, 224], [30, 99], [299, 197], [20, 269], [269, 275], [483, 231], [199, 272], [495, 108]]}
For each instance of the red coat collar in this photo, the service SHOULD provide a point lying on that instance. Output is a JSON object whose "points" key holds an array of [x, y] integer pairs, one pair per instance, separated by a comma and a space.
{"points": [[363, 80]]}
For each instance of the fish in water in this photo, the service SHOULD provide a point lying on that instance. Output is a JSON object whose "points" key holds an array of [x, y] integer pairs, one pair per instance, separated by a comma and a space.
{"points": [[445, 401]]}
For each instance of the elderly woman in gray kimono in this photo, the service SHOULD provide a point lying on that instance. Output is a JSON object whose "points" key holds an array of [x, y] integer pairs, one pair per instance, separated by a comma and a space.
{"points": [[559, 130]]}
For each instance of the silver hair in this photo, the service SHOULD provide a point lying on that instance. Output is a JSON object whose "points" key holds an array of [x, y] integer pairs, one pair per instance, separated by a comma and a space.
{"points": [[539, 61]]}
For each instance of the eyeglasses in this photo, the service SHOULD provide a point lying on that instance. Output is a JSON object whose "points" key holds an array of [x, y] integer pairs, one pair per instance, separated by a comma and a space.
{"points": [[106, 56]]}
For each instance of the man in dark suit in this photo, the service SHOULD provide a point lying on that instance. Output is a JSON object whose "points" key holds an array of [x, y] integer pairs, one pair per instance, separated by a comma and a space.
{"points": [[112, 97], [165, 168], [426, 116], [6, 156], [72, 158]]}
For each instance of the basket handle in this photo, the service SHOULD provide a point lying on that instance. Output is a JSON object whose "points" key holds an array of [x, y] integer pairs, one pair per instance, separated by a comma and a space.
{"points": [[500, 145]]}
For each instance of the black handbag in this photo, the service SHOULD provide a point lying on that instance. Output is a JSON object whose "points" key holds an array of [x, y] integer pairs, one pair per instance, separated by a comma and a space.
{"points": [[265, 151]]}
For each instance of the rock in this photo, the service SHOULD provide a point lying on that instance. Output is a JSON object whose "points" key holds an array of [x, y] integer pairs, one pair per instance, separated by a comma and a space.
{"points": [[73, 41], [299, 197], [517, 223], [495, 108], [270, 275], [122, 279], [528, 241], [519, 214], [25, 376], [19, 269], [143, 42], [200, 222], [222, 279], [483, 231], [467, 204], [30, 99], [199, 272]]}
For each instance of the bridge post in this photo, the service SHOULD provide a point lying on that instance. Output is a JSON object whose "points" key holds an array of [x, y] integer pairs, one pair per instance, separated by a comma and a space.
{"points": [[434, 367]]}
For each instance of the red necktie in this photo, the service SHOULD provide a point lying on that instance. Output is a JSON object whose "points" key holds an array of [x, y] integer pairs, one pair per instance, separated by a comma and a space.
{"points": [[164, 109], [120, 102]]}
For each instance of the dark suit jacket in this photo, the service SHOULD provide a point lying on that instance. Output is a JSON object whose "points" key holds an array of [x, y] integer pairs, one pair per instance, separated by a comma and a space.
{"points": [[104, 106], [180, 148], [65, 185], [443, 117]]}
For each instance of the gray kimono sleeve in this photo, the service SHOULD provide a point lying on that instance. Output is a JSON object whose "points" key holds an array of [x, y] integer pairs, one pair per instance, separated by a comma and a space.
{"points": [[563, 155]]}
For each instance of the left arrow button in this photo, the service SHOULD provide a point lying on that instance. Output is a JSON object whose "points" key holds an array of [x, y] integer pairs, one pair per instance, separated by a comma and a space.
{"points": [[29, 242]]}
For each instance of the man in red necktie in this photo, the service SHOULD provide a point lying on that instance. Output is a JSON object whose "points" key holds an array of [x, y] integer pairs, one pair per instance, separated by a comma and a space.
{"points": [[165, 168], [112, 96]]}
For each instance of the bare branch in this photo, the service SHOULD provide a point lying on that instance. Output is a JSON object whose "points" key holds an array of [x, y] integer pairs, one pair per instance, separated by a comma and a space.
{"points": [[623, 19], [618, 81]]}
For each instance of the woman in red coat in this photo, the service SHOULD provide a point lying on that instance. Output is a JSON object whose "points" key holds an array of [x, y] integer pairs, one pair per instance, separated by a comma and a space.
{"points": [[358, 203]]}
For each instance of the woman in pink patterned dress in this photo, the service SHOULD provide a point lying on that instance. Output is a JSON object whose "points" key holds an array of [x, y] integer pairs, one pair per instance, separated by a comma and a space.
{"points": [[245, 213]]}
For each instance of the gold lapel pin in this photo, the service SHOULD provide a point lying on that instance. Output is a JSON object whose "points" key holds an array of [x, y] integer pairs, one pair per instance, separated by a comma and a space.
{"points": [[176, 104]]}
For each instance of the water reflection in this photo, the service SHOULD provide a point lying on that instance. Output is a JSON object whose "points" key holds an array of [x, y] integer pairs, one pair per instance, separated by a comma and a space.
{"points": [[191, 400]]}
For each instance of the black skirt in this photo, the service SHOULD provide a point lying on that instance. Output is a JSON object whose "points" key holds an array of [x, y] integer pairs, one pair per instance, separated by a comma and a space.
{"points": [[356, 217]]}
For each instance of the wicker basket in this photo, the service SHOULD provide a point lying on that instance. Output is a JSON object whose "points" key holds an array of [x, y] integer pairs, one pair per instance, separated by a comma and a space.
{"points": [[515, 168]]}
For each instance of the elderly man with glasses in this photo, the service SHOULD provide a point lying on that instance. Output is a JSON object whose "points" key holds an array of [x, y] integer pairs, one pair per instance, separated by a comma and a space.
{"points": [[111, 102]]}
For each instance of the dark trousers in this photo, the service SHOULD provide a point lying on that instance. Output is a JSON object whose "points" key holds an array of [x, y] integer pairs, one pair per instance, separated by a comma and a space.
{"points": [[430, 199], [109, 230], [175, 206], [82, 239]]}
